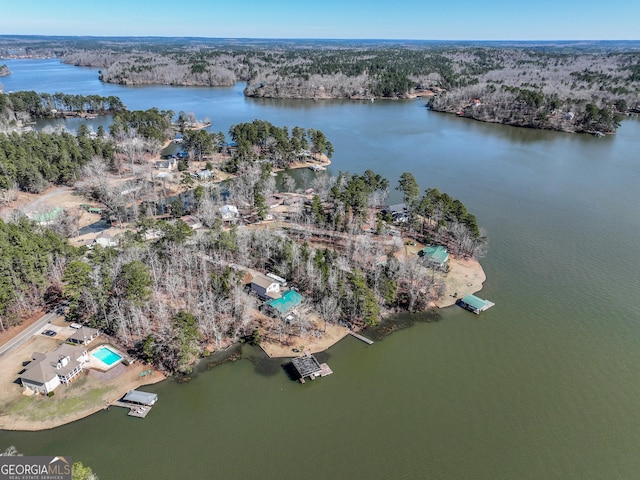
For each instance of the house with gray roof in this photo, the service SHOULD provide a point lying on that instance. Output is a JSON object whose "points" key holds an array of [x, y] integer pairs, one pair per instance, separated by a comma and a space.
{"points": [[84, 336], [398, 212], [266, 288], [46, 371]]}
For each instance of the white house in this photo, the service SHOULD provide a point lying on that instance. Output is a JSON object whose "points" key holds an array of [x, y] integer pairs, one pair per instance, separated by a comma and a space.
{"points": [[266, 288], [168, 164], [229, 212], [204, 174], [48, 370], [104, 240]]}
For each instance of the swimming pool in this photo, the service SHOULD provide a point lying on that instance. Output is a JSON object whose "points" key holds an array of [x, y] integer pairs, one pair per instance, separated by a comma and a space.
{"points": [[107, 356]]}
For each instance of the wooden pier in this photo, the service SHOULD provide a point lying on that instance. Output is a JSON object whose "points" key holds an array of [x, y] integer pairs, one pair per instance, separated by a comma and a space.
{"points": [[361, 338], [139, 411]]}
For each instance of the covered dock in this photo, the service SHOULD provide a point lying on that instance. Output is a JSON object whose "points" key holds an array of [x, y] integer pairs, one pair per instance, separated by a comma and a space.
{"points": [[474, 304], [140, 398]]}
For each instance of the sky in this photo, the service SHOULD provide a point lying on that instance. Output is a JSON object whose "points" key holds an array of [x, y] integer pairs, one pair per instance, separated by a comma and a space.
{"points": [[329, 19]]}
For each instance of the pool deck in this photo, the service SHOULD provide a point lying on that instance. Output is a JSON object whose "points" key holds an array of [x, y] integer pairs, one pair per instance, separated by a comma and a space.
{"points": [[97, 364]]}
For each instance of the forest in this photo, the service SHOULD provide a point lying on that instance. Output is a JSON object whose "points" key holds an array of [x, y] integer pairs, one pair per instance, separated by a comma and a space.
{"points": [[170, 293], [542, 85]]}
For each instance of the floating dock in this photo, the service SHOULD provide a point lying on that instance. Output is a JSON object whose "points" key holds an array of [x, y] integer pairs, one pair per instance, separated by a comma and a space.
{"points": [[361, 338]]}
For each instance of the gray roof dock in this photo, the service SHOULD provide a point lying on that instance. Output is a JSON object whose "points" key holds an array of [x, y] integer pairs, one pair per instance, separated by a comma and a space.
{"points": [[308, 366], [142, 398]]}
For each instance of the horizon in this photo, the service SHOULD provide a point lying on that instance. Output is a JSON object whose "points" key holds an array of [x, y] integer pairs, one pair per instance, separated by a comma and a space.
{"points": [[461, 20], [319, 39]]}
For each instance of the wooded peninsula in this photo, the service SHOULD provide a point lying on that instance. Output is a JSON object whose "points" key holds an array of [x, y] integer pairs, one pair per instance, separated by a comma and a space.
{"points": [[568, 86], [185, 275]]}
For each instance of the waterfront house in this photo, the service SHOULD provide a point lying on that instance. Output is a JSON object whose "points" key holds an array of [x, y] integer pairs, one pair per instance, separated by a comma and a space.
{"points": [[266, 288], [47, 371], [84, 336], [398, 212], [435, 256]]}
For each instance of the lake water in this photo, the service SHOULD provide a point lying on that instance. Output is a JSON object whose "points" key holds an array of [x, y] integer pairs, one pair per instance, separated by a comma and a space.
{"points": [[542, 386]]}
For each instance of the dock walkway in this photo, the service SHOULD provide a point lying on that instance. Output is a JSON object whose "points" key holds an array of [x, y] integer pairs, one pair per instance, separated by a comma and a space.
{"points": [[139, 411], [360, 337]]}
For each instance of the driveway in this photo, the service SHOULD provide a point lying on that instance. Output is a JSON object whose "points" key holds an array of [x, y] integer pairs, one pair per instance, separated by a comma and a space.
{"points": [[37, 327]]}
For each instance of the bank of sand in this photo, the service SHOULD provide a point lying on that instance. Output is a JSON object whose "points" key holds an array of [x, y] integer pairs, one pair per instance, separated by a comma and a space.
{"points": [[296, 346], [465, 277]]}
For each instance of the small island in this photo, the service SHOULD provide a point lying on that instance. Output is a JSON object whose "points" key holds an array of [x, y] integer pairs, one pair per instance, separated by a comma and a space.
{"points": [[4, 70]]}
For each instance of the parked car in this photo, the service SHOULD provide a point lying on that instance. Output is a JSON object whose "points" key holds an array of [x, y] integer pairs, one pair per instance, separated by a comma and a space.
{"points": [[49, 333]]}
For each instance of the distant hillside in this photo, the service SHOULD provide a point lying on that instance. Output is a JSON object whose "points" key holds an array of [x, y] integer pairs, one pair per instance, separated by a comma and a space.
{"points": [[581, 86]]}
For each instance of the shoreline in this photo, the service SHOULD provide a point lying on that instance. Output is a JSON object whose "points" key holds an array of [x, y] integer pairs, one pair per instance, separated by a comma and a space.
{"points": [[464, 277]]}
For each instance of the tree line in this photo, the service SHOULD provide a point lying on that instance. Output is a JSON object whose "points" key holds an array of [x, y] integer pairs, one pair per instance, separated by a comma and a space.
{"points": [[39, 105], [32, 161], [575, 75], [260, 140], [30, 260]]}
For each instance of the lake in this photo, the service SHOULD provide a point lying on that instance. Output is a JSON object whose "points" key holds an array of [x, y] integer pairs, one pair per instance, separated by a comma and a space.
{"points": [[542, 386]]}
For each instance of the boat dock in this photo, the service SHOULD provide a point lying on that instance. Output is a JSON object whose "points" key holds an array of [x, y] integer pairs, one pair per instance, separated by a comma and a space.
{"points": [[474, 304], [308, 366], [139, 403], [139, 411], [361, 338]]}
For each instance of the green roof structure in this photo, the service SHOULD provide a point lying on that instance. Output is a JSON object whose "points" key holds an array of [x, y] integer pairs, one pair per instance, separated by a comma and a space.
{"points": [[287, 302], [47, 217], [474, 304], [436, 254]]}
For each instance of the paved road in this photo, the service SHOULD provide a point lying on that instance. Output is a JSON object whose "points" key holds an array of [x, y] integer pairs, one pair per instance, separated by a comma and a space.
{"points": [[23, 336]]}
